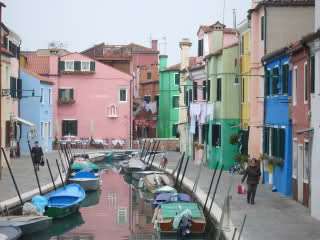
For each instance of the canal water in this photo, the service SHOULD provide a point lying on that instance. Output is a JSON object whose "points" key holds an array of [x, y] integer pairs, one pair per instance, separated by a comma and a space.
{"points": [[117, 211]]}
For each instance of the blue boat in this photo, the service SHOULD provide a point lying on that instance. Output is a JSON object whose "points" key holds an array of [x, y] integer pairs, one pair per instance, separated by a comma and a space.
{"points": [[87, 180], [170, 197], [62, 202]]}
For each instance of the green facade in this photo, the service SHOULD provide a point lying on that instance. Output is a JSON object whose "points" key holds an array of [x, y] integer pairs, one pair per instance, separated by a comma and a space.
{"points": [[224, 66], [168, 117]]}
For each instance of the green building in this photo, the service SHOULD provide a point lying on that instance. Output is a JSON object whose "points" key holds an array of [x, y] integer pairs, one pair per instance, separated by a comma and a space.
{"points": [[169, 99], [223, 67]]}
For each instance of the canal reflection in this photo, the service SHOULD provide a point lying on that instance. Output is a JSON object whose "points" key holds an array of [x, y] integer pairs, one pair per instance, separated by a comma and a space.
{"points": [[117, 211]]}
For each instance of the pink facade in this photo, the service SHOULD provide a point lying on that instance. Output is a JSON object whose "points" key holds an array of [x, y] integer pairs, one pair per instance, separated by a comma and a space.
{"points": [[256, 85], [96, 95]]}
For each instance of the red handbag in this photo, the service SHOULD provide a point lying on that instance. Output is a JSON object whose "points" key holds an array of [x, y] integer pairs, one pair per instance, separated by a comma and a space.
{"points": [[241, 189]]}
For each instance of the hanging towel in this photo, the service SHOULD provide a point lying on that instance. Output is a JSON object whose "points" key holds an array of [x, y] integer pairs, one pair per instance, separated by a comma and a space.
{"points": [[193, 125], [195, 109]]}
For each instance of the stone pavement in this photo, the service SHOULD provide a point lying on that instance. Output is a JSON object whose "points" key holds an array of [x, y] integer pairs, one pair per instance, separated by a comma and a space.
{"points": [[23, 172], [272, 217]]}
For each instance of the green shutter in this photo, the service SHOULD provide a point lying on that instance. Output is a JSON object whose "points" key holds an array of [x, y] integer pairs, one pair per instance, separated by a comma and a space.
{"points": [[61, 66], [92, 66], [13, 87], [282, 143], [266, 140], [19, 88], [77, 66]]}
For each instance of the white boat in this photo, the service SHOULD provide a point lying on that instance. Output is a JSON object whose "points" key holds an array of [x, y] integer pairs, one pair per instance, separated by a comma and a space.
{"points": [[27, 224], [96, 157], [152, 182], [9, 233], [87, 180], [141, 174]]}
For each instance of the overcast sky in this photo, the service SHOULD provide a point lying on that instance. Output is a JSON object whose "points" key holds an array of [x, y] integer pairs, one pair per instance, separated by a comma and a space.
{"points": [[79, 24]]}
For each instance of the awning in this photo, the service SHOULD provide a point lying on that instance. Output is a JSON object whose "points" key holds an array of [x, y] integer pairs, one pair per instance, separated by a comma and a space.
{"points": [[30, 124]]}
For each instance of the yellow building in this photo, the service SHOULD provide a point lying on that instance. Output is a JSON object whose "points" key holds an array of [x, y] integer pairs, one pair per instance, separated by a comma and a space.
{"points": [[244, 31]]}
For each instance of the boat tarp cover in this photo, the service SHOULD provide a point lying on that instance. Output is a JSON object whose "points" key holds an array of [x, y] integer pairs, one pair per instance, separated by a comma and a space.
{"points": [[166, 189], [84, 174], [84, 165], [40, 202], [177, 219], [170, 210]]}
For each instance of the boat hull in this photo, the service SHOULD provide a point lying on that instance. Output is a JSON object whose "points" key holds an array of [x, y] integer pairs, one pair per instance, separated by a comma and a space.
{"points": [[56, 212], [197, 227], [87, 184], [10, 233]]}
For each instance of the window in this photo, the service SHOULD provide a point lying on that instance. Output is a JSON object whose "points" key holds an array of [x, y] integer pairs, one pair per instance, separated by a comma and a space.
{"points": [[190, 96], [275, 144], [66, 95], [156, 98], [69, 65], [275, 81], [216, 135], [77, 66], [42, 95], [285, 79], [200, 47], [85, 66], [242, 45], [305, 82], [49, 129], [41, 129], [122, 217], [196, 134], [8, 133], [177, 79], [112, 111], [69, 127], [262, 28], [294, 85], [236, 80], [13, 87], [195, 91], [312, 82], [204, 130], [219, 92], [186, 98], [49, 96], [266, 140], [175, 130], [147, 99], [175, 101], [306, 162], [208, 90], [242, 91], [149, 75], [123, 95], [295, 159], [204, 90]]}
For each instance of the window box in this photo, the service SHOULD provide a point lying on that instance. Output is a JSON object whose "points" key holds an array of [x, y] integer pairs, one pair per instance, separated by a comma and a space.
{"points": [[66, 101]]}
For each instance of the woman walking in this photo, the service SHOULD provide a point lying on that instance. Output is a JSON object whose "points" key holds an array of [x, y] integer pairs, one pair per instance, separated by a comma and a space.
{"points": [[252, 174]]}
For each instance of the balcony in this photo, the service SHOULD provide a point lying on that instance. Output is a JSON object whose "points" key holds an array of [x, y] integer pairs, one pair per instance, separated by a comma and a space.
{"points": [[64, 101]]}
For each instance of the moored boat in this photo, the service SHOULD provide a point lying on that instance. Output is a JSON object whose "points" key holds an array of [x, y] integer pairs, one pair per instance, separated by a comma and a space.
{"points": [[170, 197], [133, 165], [165, 189], [154, 181], [168, 217], [62, 202], [27, 224], [10, 233], [142, 174], [84, 165], [87, 180], [96, 157]]}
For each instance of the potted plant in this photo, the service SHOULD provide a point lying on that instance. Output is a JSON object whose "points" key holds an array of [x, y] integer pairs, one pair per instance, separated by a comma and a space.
{"points": [[234, 139]]}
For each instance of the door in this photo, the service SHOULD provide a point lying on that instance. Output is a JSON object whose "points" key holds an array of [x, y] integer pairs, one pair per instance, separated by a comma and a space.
{"points": [[45, 137], [300, 173]]}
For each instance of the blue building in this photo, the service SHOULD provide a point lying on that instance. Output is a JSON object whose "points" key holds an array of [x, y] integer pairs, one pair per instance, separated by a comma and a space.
{"points": [[277, 122], [37, 108]]}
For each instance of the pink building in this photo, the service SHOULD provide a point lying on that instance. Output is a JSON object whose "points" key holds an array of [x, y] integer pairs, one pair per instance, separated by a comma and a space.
{"points": [[91, 99]]}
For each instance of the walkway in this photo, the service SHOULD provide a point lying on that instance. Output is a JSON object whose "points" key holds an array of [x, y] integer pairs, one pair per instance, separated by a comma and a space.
{"points": [[272, 217]]}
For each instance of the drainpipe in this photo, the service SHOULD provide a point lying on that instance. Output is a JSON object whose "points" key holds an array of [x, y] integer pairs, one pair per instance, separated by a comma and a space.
{"points": [[19, 104], [1, 6], [130, 114]]}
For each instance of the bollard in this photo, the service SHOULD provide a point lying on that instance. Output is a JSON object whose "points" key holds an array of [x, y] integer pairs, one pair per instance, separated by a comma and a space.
{"points": [[210, 186], [154, 155], [179, 170], [54, 185], [151, 152], [142, 149], [184, 171], [216, 188], [60, 173], [11, 174], [34, 168]]}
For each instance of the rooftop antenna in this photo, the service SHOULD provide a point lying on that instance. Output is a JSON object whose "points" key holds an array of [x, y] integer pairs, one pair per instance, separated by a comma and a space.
{"points": [[224, 8], [234, 18]]}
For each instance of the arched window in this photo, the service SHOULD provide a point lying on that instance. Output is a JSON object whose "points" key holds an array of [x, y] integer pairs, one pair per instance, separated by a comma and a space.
{"points": [[112, 111]]}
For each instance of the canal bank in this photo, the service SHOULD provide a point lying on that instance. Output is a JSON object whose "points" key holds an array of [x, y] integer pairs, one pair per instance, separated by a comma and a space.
{"points": [[272, 217]]}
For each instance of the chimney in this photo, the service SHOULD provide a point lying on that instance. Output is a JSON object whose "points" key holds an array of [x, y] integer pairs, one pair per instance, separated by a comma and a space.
{"points": [[154, 45], [163, 59], [185, 45]]}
